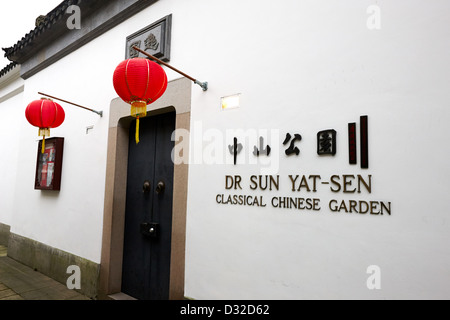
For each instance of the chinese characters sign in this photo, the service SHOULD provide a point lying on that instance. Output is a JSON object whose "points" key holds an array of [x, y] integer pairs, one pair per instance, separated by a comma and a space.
{"points": [[304, 188], [326, 144]]}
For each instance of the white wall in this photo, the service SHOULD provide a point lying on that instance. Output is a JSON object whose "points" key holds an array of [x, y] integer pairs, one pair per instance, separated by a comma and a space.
{"points": [[10, 115], [308, 66], [71, 219], [299, 66]]}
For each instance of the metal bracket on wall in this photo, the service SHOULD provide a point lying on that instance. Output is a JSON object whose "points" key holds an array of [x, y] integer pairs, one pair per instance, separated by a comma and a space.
{"points": [[204, 85]]}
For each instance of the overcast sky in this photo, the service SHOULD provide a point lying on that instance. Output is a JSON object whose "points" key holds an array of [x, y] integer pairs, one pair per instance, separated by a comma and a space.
{"points": [[18, 18]]}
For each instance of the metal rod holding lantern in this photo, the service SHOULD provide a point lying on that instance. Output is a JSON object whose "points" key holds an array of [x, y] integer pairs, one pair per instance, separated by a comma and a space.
{"points": [[100, 113], [204, 85]]}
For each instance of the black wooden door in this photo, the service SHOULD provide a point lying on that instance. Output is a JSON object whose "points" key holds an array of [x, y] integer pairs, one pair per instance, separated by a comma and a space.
{"points": [[148, 215]]}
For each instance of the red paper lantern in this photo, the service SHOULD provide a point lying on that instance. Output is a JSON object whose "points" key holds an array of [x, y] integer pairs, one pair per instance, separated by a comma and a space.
{"points": [[139, 82], [44, 114]]}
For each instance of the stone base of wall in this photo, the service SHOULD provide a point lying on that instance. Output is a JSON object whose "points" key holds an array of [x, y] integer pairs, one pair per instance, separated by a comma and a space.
{"points": [[54, 262], [4, 234]]}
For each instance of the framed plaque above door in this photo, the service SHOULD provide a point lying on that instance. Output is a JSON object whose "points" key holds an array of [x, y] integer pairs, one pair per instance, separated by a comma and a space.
{"points": [[154, 39]]}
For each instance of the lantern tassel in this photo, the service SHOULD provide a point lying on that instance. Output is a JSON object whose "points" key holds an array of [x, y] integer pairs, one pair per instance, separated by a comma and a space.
{"points": [[43, 145], [137, 130]]}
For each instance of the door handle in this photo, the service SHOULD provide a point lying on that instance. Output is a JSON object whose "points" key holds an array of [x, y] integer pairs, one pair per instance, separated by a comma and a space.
{"points": [[160, 187], [146, 187]]}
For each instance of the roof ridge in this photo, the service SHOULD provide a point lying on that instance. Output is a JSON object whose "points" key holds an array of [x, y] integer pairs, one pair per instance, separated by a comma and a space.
{"points": [[7, 69], [51, 18]]}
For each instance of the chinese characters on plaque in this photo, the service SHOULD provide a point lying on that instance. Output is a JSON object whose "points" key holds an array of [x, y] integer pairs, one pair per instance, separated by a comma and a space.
{"points": [[154, 39], [326, 144]]}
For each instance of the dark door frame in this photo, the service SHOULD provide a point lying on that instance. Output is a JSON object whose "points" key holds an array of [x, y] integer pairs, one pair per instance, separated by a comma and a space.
{"points": [[176, 98]]}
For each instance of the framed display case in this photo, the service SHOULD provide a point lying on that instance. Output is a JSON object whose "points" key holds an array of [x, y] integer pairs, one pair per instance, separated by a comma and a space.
{"points": [[49, 165]]}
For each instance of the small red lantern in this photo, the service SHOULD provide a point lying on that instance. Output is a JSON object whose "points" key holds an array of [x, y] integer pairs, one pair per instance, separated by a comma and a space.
{"points": [[44, 114], [139, 82]]}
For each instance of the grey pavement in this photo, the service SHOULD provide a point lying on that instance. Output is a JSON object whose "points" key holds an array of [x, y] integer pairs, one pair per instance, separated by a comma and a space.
{"points": [[20, 282]]}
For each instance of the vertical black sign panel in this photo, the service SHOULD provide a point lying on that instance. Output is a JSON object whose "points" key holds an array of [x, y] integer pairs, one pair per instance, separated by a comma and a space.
{"points": [[352, 143], [364, 143]]}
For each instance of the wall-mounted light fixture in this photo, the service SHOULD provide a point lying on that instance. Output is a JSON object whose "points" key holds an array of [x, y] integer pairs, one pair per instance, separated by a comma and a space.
{"points": [[231, 102]]}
